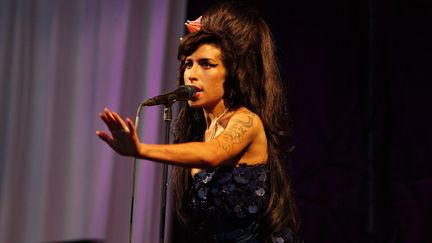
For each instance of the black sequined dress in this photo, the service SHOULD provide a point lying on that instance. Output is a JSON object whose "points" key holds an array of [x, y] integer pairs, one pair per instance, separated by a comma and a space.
{"points": [[228, 201]]}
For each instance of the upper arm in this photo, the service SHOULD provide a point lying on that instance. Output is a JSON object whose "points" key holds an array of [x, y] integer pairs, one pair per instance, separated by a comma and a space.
{"points": [[240, 132]]}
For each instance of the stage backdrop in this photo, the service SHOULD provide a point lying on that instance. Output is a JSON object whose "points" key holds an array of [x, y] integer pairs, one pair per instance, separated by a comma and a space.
{"points": [[61, 63]]}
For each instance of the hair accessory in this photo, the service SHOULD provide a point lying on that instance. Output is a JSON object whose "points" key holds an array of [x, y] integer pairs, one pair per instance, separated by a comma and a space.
{"points": [[194, 25]]}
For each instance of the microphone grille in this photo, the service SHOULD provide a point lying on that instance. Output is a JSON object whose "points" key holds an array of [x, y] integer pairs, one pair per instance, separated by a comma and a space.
{"points": [[191, 90]]}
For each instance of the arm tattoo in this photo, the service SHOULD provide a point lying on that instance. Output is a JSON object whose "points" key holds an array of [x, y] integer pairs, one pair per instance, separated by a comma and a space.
{"points": [[235, 134]]}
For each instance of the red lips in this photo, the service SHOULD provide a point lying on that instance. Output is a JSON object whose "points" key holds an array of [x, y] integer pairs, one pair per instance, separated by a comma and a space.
{"points": [[197, 89]]}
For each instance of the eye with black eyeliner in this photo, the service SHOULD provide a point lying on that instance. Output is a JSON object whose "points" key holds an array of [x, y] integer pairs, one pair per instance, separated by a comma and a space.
{"points": [[207, 64], [188, 64]]}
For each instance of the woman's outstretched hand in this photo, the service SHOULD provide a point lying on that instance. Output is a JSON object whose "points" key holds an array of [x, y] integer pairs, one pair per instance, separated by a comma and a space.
{"points": [[124, 139]]}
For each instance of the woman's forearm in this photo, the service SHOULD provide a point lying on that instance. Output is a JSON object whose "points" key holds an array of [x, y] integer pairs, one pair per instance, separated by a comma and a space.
{"points": [[191, 154]]}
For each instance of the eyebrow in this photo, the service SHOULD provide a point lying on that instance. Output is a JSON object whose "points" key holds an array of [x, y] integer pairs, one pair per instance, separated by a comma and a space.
{"points": [[202, 59]]}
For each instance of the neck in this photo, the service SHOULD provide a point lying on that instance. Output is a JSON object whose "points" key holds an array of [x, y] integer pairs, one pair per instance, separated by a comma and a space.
{"points": [[215, 113]]}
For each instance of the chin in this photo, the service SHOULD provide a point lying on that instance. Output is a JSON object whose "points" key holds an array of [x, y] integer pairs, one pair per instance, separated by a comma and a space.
{"points": [[194, 104]]}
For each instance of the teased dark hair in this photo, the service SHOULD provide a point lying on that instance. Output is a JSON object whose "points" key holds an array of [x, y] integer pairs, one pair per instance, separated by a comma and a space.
{"points": [[253, 81]]}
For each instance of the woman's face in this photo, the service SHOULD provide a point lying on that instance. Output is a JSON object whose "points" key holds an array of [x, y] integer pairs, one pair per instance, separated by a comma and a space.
{"points": [[205, 70]]}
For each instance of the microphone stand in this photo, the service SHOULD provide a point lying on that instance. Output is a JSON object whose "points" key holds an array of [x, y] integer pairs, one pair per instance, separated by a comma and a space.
{"points": [[134, 178], [167, 118]]}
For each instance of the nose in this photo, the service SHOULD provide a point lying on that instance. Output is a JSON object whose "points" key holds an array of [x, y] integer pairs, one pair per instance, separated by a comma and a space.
{"points": [[190, 75]]}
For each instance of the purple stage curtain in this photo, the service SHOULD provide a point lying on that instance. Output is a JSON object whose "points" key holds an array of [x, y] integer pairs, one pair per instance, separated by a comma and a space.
{"points": [[61, 63]]}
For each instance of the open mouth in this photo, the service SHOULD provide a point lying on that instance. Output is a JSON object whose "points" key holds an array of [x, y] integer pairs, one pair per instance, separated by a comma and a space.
{"points": [[197, 93], [197, 89]]}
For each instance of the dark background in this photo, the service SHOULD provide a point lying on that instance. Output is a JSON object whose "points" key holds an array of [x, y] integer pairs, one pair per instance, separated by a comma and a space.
{"points": [[358, 74]]}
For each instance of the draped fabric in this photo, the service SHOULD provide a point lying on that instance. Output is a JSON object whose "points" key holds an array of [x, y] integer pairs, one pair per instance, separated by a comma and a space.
{"points": [[61, 63]]}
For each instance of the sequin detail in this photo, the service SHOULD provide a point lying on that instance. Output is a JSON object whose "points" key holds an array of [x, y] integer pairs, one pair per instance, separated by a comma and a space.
{"points": [[233, 195], [229, 192]]}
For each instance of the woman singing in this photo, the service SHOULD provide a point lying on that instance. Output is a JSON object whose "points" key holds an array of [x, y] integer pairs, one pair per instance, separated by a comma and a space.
{"points": [[232, 139]]}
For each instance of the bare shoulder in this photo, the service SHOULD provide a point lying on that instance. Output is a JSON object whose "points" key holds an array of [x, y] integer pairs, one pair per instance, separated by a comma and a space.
{"points": [[244, 113], [243, 134], [244, 119]]}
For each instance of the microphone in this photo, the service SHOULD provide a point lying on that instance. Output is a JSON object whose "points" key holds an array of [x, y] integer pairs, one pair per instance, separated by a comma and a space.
{"points": [[183, 93]]}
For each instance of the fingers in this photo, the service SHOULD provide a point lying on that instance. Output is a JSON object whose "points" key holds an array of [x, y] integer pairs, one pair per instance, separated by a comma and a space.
{"points": [[123, 136], [113, 121], [120, 122], [105, 137], [108, 140], [107, 117], [131, 126]]}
